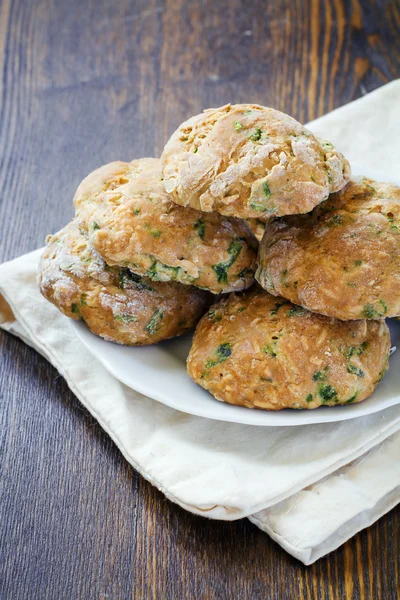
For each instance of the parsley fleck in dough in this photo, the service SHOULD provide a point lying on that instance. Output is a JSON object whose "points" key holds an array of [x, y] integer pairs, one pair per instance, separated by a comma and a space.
{"points": [[222, 353], [131, 221], [251, 162], [343, 259], [155, 321], [221, 269], [292, 359], [115, 303]]}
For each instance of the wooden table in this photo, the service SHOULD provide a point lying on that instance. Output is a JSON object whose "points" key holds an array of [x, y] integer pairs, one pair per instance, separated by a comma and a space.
{"points": [[85, 82]]}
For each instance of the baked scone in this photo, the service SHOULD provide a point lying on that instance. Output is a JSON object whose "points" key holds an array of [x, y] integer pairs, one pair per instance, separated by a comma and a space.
{"points": [[250, 161], [115, 303], [132, 222], [256, 350], [343, 259]]}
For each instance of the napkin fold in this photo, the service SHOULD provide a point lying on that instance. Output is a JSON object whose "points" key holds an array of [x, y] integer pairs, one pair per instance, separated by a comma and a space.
{"points": [[310, 487]]}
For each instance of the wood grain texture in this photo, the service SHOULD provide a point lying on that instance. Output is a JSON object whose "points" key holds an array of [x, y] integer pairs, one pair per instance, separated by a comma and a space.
{"points": [[84, 82]]}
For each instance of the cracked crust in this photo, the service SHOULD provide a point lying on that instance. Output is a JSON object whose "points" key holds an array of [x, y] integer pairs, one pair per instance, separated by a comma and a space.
{"points": [[115, 304], [343, 260], [249, 161], [132, 222], [293, 359]]}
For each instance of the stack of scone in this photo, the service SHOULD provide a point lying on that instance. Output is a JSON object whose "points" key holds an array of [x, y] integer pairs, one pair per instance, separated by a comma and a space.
{"points": [[135, 266], [152, 241]]}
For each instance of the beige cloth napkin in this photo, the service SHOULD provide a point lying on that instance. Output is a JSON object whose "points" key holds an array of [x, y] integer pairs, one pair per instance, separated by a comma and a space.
{"points": [[311, 487]]}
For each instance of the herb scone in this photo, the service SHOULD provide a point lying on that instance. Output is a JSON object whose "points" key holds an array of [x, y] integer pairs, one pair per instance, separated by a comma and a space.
{"points": [[132, 222], [292, 359], [342, 260], [250, 161], [115, 303]]}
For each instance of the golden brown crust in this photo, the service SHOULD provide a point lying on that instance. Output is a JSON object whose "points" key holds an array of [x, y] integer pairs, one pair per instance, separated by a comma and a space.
{"points": [[250, 161], [342, 260], [256, 350], [116, 304], [132, 222]]}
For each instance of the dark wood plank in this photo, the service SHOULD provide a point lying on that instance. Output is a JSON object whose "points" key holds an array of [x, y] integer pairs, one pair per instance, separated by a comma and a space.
{"points": [[84, 83]]}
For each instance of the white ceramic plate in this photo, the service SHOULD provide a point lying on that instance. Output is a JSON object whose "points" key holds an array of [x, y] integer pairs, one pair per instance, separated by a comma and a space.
{"points": [[160, 372]]}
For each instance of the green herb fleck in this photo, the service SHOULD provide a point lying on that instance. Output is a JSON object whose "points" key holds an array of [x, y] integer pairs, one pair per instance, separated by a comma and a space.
{"points": [[270, 351], [336, 220], [384, 307], [83, 300], [223, 352], [221, 269], [256, 135], [274, 311], [74, 308], [328, 174], [125, 318], [320, 375], [153, 272], [327, 392], [309, 398], [155, 321], [200, 227], [259, 204], [160, 272], [95, 226], [350, 400], [355, 370], [238, 126], [136, 211], [268, 279], [296, 311], [356, 350], [326, 145], [214, 315], [357, 263], [127, 278], [312, 179], [156, 233], [371, 312], [375, 229], [266, 189]]}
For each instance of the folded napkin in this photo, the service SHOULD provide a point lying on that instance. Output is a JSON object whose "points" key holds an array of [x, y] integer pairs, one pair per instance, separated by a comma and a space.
{"points": [[309, 487]]}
